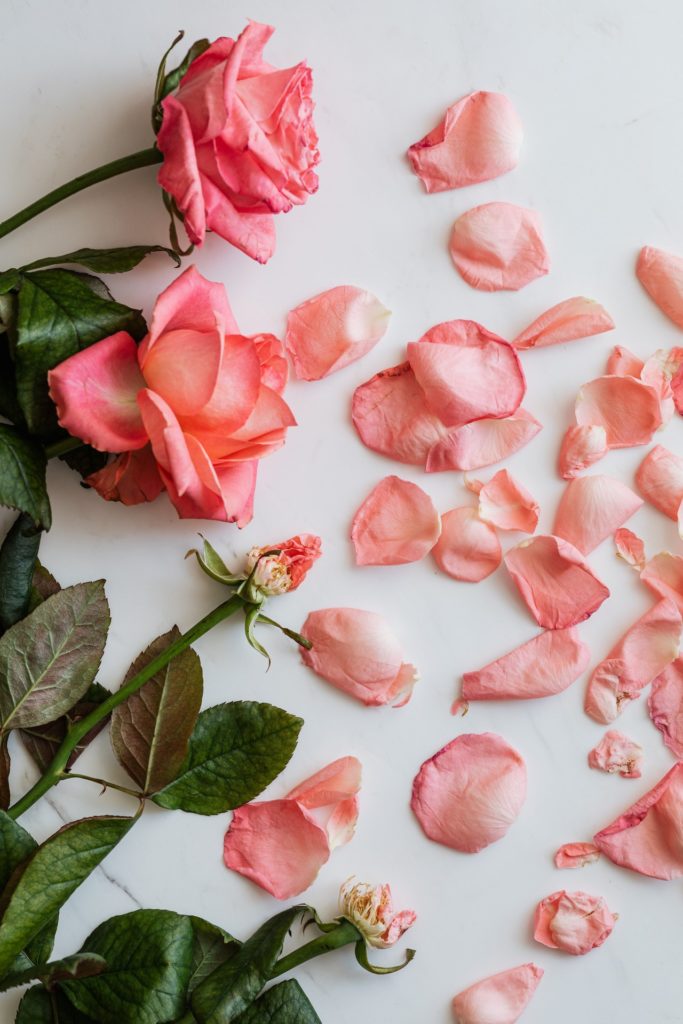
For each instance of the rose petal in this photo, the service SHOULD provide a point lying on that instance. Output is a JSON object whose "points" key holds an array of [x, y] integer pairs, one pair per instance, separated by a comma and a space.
{"points": [[623, 363], [332, 784], [333, 329], [555, 581], [468, 549], [130, 478], [469, 793], [663, 574], [272, 360], [677, 390], [665, 705], [581, 447], [357, 652], [616, 754], [661, 275], [630, 548], [506, 504], [627, 408], [574, 318], [397, 523], [482, 443], [574, 922], [660, 479], [479, 138], [500, 999], [543, 666], [499, 246], [576, 855], [591, 509], [191, 302], [648, 837]]}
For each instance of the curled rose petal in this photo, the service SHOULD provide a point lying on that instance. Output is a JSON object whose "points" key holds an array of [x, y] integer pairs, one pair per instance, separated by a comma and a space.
{"points": [[543, 666], [623, 363], [663, 574], [661, 275], [130, 478], [591, 509], [574, 922], [506, 504], [616, 754], [648, 837], [397, 523], [468, 549], [358, 653], [469, 793], [576, 855], [499, 246], [333, 329], [567, 321], [581, 448], [482, 443], [660, 480], [479, 138], [630, 548], [665, 705], [627, 408], [555, 581], [500, 999]]}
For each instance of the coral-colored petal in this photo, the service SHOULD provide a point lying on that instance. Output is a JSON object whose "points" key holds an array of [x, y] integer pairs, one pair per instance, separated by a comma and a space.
{"points": [[504, 503], [482, 443], [567, 321], [660, 480], [237, 481], [131, 478], [182, 366], [179, 174], [469, 793], [499, 246], [397, 523], [623, 363], [543, 666], [591, 509], [249, 229], [663, 574], [468, 549], [581, 447], [193, 303], [479, 138], [337, 781], [627, 408], [630, 548], [273, 361], [500, 999], [665, 705], [576, 855], [574, 922], [555, 581], [616, 754], [661, 275]]}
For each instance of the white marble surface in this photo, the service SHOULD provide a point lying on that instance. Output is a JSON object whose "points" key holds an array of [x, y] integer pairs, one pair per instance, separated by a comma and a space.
{"points": [[599, 86]]}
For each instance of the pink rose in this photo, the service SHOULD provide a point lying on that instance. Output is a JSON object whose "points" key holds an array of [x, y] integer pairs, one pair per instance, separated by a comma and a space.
{"points": [[279, 573], [239, 142], [192, 409]]}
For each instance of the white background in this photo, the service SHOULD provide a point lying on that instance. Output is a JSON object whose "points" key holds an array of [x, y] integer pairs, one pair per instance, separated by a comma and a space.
{"points": [[599, 87]]}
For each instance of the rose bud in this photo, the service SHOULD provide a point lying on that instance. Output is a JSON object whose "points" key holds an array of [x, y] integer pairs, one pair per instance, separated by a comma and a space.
{"points": [[282, 567], [369, 908]]}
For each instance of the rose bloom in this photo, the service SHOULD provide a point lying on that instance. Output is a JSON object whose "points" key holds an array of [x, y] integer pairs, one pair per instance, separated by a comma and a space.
{"points": [[279, 573], [192, 409], [239, 143], [370, 909]]}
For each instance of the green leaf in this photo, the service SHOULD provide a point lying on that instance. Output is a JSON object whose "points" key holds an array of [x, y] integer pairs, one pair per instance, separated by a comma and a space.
{"points": [[150, 732], [79, 965], [42, 1007], [213, 565], [45, 882], [236, 750], [172, 79], [149, 957], [212, 947], [9, 407], [286, 1003], [85, 460], [50, 658], [234, 986], [9, 279], [105, 261], [16, 846], [22, 476], [18, 556], [44, 585], [5, 766], [59, 314], [43, 741]]}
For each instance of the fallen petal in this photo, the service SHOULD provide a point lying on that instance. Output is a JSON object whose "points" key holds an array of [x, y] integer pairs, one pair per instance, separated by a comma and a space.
{"points": [[591, 509], [504, 503], [468, 549], [397, 523], [581, 448], [630, 548], [661, 275], [623, 363], [499, 246], [627, 408], [334, 783], [665, 705], [664, 575], [569, 320], [660, 480], [500, 999], [482, 443], [574, 922], [543, 666], [616, 754], [576, 855]]}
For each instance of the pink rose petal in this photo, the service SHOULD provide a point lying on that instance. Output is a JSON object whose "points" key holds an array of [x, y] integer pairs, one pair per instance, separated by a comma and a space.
{"points": [[581, 448], [591, 509], [648, 837], [499, 246], [627, 408], [630, 548], [663, 574], [665, 705], [660, 480], [482, 443], [576, 855], [469, 793], [555, 581], [569, 320], [479, 138], [623, 363], [661, 275], [504, 503], [131, 478], [334, 329], [500, 999], [468, 549], [397, 523], [574, 922], [616, 754]]}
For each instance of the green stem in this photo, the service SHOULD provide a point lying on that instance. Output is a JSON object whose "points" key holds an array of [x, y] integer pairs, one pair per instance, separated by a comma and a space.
{"points": [[104, 783], [144, 158], [67, 444], [57, 767], [343, 935]]}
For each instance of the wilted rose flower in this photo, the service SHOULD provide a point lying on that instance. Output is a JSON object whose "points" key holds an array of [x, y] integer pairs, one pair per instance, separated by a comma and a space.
{"points": [[370, 909], [282, 567]]}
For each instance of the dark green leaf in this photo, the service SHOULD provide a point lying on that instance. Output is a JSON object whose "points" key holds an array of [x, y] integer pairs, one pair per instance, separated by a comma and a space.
{"points": [[44, 586], [39, 949], [18, 556], [234, 986], [172, 79], [5, 766], [105, 261], [236, 750], [9, 279], [80, 965], [149, 957], [150, 732], [44, 883], [9, 407], [286, 1003], [59, 314], [43, 741], [50, 658], [22, 476], [16, 846], [42, 1007], [85, 460], [212, 947]]}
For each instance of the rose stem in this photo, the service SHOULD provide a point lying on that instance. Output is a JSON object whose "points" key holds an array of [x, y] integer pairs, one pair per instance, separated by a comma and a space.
{"points": [[342, 935]]}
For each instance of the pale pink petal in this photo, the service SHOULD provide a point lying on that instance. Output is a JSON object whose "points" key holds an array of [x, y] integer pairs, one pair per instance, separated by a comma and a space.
{"points": [[660, 480], [663, 574], [482, 443], [333, 329], [591, 509], [640, 656], [500, 999], [569, 320], [576, 855], [627, 408], [95, 393], [616, 754], [630, 548], [661, 275], [555, 581], [336, 782], [506, 504], [469, 793], [677, 390], [391, 416], [467, 373], [358, 653], [543, 666], [658, 372], [581, 448], [574, 922], [648, 837], [397, 523], [499, 246], [131, 478], [665, 705], [468, 549], [479, 138], [623, 363]]}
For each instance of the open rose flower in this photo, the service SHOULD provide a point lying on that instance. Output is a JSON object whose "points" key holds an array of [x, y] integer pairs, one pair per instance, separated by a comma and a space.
{"points": [[239, 142], [202, 398], [283, 567], [370, 909]]}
